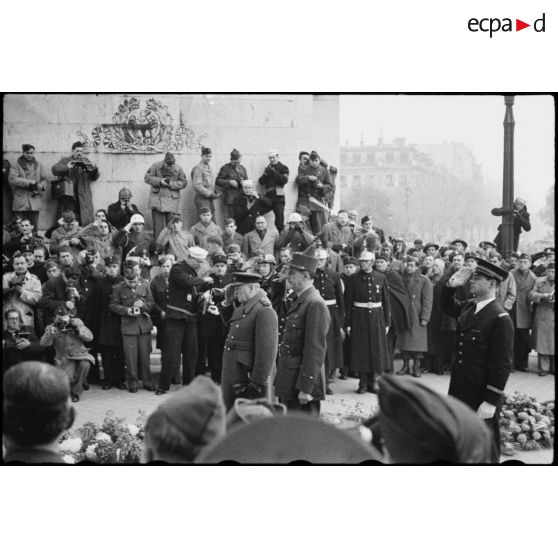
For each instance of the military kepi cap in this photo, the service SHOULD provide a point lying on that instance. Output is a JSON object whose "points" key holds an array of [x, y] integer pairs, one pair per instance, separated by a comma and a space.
{"points": [[302, 262], [490, 270], [112, 260], [245, 278]]}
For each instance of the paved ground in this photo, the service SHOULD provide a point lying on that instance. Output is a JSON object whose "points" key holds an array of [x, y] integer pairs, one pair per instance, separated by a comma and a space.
{"points": [[95, 402]]}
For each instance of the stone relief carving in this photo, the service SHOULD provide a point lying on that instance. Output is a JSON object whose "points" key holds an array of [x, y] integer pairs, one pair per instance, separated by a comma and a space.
{"points": [[142, 130]]}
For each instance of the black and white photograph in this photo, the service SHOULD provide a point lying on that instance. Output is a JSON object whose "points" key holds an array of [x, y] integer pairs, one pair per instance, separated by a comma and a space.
{"points": [[273, 278]]}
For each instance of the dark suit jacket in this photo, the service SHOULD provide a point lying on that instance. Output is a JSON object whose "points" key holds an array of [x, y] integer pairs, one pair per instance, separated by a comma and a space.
{"points": [[228, 172], [118, 217]]}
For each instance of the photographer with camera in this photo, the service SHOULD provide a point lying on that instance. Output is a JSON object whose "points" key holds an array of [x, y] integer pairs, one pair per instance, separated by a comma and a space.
{"points": [[67, 334], [274, 178], [78, 172], [132, 301], [521, 220], [120, 212], [19, 342], [25, 236], [21, 290], [67, 235], [28, 181], [295, 235], [166, 179]]}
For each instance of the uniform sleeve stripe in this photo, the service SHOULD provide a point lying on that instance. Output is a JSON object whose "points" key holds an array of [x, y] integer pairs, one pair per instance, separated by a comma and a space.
{"points": [[500, 392]]}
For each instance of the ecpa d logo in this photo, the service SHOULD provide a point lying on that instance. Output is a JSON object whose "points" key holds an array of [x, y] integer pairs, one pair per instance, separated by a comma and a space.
{"points": [[492, 25]]}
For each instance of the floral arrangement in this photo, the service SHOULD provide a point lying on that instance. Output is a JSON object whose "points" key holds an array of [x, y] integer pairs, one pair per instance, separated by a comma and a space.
{"points": [[526, 424], [116, 441]]}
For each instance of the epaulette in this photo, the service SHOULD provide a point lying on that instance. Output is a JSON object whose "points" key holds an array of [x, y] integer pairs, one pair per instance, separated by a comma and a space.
{"points": [[503, 314]]}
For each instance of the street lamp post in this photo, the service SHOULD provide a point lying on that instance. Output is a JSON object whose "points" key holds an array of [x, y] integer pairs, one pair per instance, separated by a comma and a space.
{"points": [[508, 196]]}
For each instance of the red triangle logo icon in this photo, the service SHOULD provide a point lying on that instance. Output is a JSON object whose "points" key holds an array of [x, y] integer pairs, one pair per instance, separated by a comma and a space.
{"points": [[519, 25]]}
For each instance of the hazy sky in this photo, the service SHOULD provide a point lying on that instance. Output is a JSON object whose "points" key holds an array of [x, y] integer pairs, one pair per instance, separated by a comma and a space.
{"points": [[474, 120]]}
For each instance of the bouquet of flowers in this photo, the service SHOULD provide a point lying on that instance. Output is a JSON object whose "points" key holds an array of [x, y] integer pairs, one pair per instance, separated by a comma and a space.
{"points": [[115, 441], [526, 424]]}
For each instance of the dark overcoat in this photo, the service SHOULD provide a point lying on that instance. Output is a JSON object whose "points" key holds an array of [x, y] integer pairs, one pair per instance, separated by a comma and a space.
{"points": [[369, 349], [229, 172], [302, 352], [250, 347], [245, 216], [109, 322], [420, 292], [484, 353], [399, 300], [330, 287], [441, 339], [82, 178], [54, 295]]}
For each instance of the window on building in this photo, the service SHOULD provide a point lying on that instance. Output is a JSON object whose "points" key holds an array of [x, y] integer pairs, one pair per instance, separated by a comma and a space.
{"points": [[389, 180], [389, 157], [363, 157], [371, 180], [404, 157], [371, 158], [348, 157], [403, 180]]}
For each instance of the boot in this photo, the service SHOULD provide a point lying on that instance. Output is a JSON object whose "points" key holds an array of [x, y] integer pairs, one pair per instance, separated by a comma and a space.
{"points": [[405, 369], [362, 384], [416, 368]]}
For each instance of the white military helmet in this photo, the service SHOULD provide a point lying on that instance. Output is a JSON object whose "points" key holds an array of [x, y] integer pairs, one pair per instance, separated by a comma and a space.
{"points": [[321, 254], [367, 257], [294, 218]]}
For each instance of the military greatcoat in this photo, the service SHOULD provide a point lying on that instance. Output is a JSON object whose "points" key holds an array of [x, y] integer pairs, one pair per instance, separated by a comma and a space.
{"points": [[484, 353], [542, 334], [300, 366], [369, 349], [330, 288], [250, 347]]}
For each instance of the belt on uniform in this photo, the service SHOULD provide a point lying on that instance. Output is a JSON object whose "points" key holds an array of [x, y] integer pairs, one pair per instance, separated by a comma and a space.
{"points": [[367, 304], [330, 302], [239, 345]]}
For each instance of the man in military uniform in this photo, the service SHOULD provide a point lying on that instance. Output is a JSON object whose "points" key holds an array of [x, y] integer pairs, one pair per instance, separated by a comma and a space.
{"points": [[230, 179], [251, 344], [484, 343], [328, 284], [300, 382], [367, 319], [132, 300]]}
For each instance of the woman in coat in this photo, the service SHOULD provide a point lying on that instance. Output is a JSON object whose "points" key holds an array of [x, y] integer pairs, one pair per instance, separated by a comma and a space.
{"points": [[542, 334]]}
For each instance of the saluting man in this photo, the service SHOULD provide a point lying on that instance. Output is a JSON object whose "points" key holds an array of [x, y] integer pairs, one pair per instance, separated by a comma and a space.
{"points": [[367, 319], [251, 344], [484, 343]]}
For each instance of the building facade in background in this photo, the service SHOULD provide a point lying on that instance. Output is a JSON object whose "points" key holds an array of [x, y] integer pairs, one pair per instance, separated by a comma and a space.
{"points": [[430, 191]]}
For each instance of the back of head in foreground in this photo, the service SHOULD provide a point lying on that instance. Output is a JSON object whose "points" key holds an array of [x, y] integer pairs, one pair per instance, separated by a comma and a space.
{"points": [[36, 406], [421, 426], [287, 439], [185, 423]]}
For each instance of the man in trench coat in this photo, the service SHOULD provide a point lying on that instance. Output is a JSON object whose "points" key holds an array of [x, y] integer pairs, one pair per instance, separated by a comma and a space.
{"points": [[251, 344], [80, 172], [300, 381]]}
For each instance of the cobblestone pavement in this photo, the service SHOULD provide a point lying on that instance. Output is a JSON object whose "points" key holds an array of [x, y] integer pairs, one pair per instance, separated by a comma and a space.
{"points": [[95, 403]]}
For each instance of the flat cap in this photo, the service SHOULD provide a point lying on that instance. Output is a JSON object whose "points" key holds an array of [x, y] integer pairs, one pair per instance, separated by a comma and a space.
{"points": [[235, 154], [205, 150], [68, 216], [205, 210], [27, 147], [382, 256], [420, 425]]}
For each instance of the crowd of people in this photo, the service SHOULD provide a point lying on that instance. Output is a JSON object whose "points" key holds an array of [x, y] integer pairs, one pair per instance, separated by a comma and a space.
{"points": [[268, 312]]}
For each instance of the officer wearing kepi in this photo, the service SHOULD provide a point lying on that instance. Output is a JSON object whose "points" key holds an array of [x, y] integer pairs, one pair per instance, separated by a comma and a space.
{"points": [[251, 344], [367, 319], [484, 343]]}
